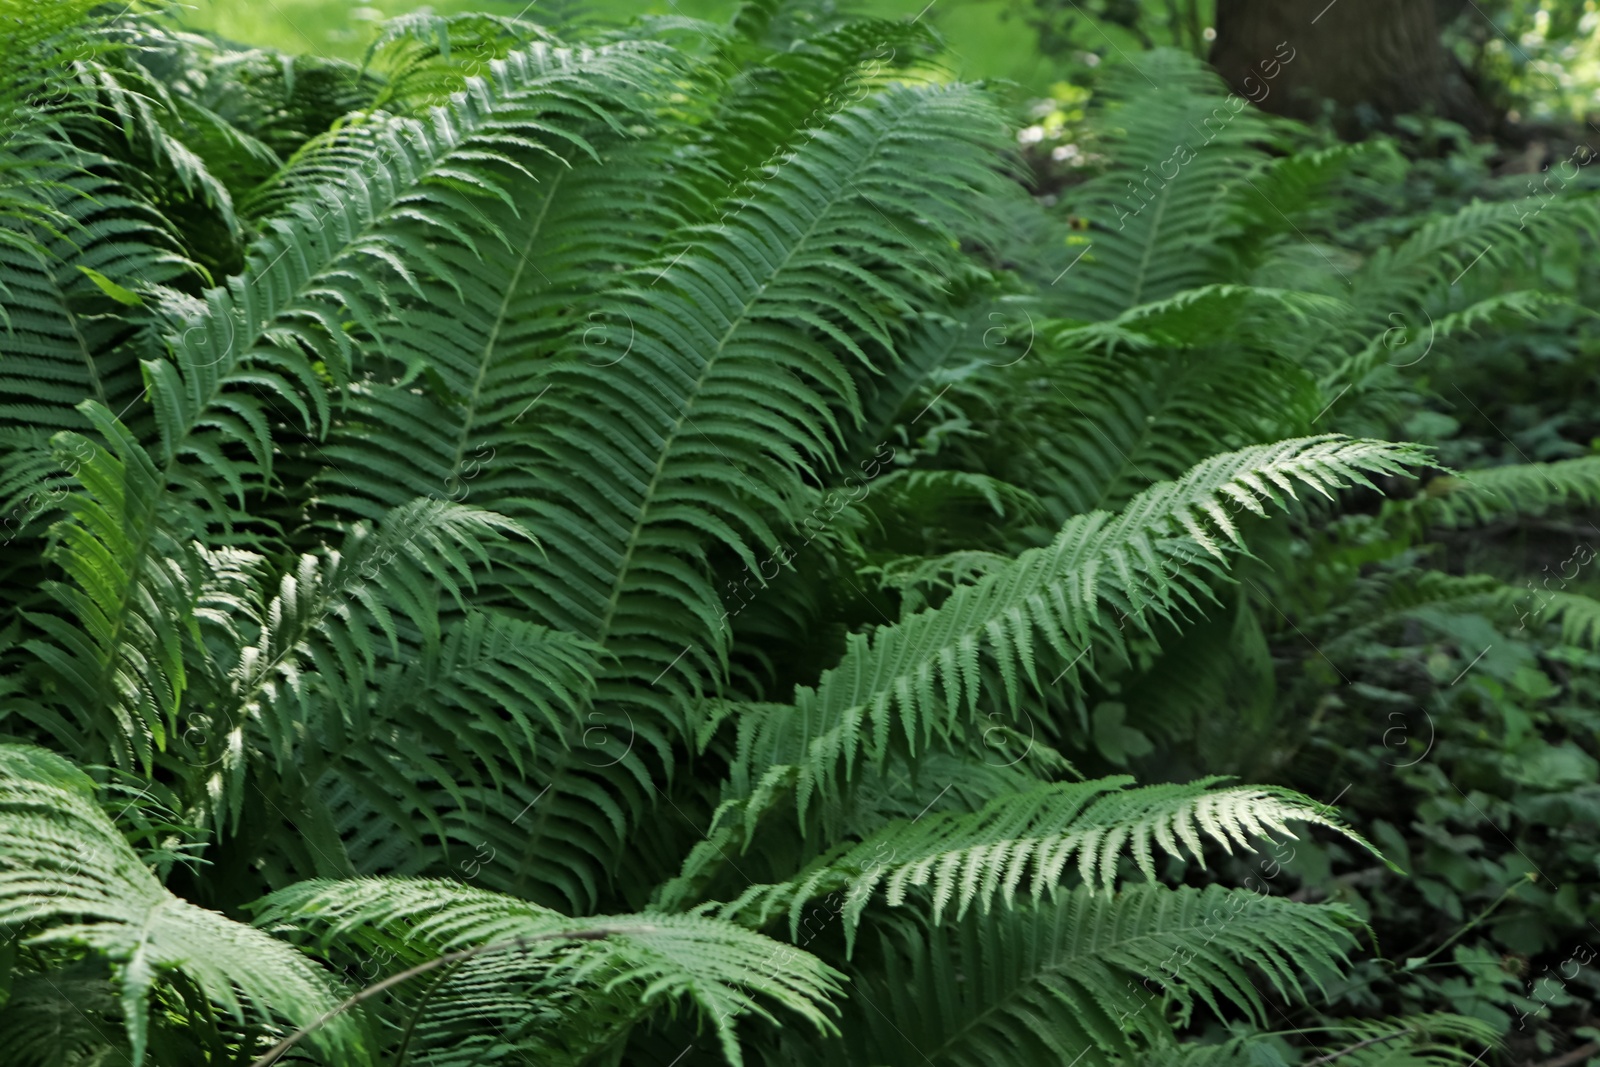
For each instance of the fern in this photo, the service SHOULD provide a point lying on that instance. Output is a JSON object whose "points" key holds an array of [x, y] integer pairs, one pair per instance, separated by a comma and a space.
{"points": [[1085, 827], [60, 342], [1182, 167], [1419, 1040], [641, 959], [404, 464], [1151, 561], [677, 409], [338, 252], [1522, 489], [68, 881], [1086, 976]]}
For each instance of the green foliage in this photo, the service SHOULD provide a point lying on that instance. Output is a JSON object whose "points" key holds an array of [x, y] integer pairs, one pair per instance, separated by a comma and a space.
{"points": [[528, 957], [1086, 975], [69, 880], [538, 777], [1082, 828]]}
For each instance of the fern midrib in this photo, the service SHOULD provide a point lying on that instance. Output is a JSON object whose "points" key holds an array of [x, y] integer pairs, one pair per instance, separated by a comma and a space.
{"points": [[501, 314], [77, 336], [1150, 246], [114, 643]]}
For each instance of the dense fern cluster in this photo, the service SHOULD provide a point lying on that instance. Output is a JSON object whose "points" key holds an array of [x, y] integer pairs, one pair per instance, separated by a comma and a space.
{"points": [[533, 535]]}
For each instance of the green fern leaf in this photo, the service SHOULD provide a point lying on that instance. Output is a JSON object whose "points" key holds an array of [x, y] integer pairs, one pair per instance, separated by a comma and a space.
{"points": [[68, 879]]}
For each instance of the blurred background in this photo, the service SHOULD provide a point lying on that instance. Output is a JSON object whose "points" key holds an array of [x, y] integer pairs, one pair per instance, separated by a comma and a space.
{"points": [[1536, 60], [995, 38]]}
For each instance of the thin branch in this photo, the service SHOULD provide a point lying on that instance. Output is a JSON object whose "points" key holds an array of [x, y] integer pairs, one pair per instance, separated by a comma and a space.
{"points": [[597, 933], [1358, 1046], [1573, 1058]]}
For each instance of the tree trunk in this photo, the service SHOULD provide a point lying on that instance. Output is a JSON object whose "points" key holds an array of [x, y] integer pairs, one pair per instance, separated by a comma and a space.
{"points": [[1372, 59]]}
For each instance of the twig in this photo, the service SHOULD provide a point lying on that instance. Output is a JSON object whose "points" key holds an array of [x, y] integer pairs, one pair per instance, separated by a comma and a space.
{"points": [[1358, 1046], [1573, 1058], [597, 933]]}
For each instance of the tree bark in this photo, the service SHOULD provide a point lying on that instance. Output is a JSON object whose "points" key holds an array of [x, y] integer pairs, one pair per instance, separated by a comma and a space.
{"points": [[1372, 59]]}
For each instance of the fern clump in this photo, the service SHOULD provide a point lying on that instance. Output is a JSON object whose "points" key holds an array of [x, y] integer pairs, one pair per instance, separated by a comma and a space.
{"points": [[496, 529]]}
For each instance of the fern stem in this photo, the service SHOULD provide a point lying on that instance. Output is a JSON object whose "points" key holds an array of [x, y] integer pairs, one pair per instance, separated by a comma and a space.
{"points": [[501, 313], [416, 1016], [1470, 925]]}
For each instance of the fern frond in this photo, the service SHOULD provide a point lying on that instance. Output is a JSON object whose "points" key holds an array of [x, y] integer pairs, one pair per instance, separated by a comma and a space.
{"points": [[649, 958], [1126, 423], [45, 103], [1441, 250], [1182, 153], [61, 346], [1483, 495], [1423, 1039], [768, 105], [333, 259], [679, 452], [1084, 828], [131, 577], [919, 676], [1578, 615], [66, 1017], [483, 332], [1214, 314], [1082, 978], [146, 601], [309, 661], [67, 879], [1403, 344], [425, 57], [147, 117]]}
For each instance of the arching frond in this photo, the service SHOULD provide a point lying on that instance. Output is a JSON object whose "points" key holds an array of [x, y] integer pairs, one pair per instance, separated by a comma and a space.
{"points": [[1054, 831], [60, 344], [1533, 489], [1127, 423], [331, 260], [67, 1017], [1085, 977], [1392, 328], [643, 960], [678, 454], [917, 678], [68, 880], [425, 56], [771, 103], [1183, 152], [1424, 1039], [1492, 235], [166, 629]]}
